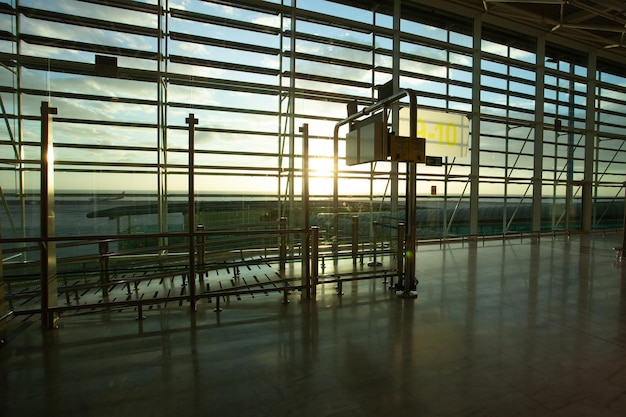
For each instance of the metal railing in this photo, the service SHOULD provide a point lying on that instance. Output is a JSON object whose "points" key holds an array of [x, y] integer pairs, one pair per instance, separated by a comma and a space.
{"points": [[119, 279]]}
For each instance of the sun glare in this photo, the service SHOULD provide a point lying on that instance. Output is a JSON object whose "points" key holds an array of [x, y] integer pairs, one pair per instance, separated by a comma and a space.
{"points": [[321, 170]]}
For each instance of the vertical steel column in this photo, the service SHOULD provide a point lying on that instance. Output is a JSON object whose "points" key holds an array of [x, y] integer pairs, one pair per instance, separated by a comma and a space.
{"points": [[475, 155], [162, 187], [306, 265], [20, 125], [590, 140], [571, 148], [395, 120], [191, 216], [540, 71], [49, 294], [292, 116], [411, 207]]}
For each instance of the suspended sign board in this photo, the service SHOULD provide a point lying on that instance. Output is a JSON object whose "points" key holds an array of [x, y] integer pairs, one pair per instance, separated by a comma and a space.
{"points": [[367, 141], [446, 134]]}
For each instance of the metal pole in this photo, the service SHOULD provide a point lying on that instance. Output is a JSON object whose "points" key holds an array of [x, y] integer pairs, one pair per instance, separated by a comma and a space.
{"points": [[539, 134], [191, 216], [400, 254], [282, 251], [306, 263], [314, 260], [411, 197], [200, 250], [49, 295], [104, 268], [624, 235], [375, 244], [409, 276], [355, 238], [569, 187]]}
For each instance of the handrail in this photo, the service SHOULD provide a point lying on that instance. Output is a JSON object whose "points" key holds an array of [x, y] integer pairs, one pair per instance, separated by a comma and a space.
{"points": [[6, 315]]}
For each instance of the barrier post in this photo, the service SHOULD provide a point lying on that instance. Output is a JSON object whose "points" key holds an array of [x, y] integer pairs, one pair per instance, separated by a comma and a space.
{"points": [[355, 239], [315, 237], [104, 268], [282, 251], [375, 239], [200, 249], [399, 255]]}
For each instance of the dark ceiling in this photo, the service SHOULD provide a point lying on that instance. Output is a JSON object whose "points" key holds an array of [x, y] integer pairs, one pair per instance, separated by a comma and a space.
{"points": [[572, 28], [597, 24]]}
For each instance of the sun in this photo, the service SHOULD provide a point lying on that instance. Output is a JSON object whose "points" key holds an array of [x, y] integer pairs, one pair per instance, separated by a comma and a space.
{"points": [[321, 173]]}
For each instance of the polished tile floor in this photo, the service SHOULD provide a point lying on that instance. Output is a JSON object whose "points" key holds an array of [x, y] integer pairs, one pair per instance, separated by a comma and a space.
{"points": [[513, 328]]}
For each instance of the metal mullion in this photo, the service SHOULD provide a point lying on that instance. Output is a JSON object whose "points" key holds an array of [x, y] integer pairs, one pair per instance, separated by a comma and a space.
{"points": [[503, 107], [61, 145], [612, 100], [327, 95], [89, 122], [173, 104], [126, 5], [281, 136], [328, 41], [511, 78], [20, 125], [246, 5], [221, 21], [511, 93], [232, 131], [79, 68], [328, 80], [89, 47], [89, 22], [330, 61], [429, 42], [423, 76], [207, 63], [61, 163], [230, 153], [222, 84], [223, 43], [101, 170], [90, 97], [104, 123]]}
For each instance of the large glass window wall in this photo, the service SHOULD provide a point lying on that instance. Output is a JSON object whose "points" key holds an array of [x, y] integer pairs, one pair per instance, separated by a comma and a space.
{"points": [[125, 76]]}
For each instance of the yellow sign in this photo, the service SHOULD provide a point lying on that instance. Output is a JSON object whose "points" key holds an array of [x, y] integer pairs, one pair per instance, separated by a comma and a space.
{"points": [[446, 134]]}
